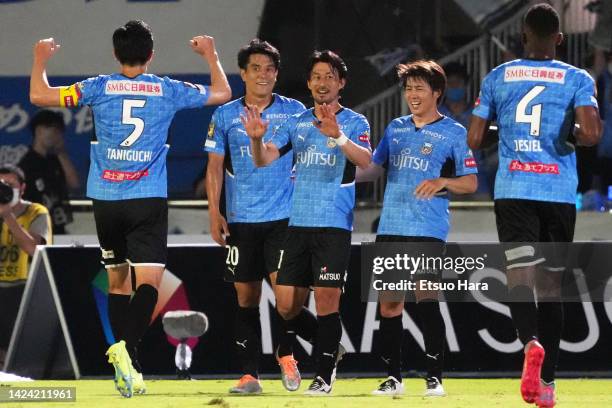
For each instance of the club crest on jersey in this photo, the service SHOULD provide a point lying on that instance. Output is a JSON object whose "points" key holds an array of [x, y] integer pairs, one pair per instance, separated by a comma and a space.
{"points": [[331, 142], [427, 148]]}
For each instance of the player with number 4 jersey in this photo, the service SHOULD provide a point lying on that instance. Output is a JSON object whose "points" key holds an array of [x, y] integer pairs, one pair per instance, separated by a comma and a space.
{"points": [[536, 100], [127, 177]]}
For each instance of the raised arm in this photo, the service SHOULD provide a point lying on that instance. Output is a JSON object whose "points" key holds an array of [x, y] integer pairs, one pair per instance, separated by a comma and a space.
{"points": [[358, 155], [255, 127], [220, 91], [41, 94]]}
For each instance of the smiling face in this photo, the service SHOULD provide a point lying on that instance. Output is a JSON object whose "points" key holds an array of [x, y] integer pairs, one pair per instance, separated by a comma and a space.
{"points": [[324, 83], [259, 76], [421, 99]]}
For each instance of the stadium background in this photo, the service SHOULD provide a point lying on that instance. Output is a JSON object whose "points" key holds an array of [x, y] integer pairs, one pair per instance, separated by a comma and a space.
{"points": [[371, 35]]}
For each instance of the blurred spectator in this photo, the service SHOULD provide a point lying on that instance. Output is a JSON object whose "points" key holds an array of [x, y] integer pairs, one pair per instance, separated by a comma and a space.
{"points": [[49, 171], [604, 150], [23, 225], [456, 106], [455, 103]]}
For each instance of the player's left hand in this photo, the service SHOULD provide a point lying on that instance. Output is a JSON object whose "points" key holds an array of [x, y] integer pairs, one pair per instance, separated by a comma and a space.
{"points": [[44, 49], [204, 45], [428, 188], [328, 125]]}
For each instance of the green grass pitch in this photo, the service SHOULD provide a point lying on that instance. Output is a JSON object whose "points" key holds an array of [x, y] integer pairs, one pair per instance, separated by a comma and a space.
{"points": [[347, 393]]}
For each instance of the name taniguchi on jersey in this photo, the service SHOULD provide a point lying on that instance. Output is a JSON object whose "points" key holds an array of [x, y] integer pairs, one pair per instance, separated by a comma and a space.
{"points": [[533, 102], [131, 118], [324, 192], [252, 194], [411, 156]]}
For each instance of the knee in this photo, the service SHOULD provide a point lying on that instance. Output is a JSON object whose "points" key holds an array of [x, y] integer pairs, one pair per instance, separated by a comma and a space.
{"points": [[391, 309], [327, 302], [286, 310]]}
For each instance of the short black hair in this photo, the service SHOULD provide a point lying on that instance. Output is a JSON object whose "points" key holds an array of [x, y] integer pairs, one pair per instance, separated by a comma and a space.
{"points": [[542, 20], [133, 43], [331, 58], [48, 118], [429, 71], [456, 69], [257, 46], [12, 169]]}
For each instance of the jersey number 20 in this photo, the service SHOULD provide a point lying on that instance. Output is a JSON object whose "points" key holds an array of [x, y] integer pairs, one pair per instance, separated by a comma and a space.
{"points": [[128, 119], [535, 117]]}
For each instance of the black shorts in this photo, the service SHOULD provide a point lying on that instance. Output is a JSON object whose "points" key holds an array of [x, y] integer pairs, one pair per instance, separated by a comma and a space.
{"points": [[527, 221], [315, 257], [132, 231], [254, 250], [434, 247]]}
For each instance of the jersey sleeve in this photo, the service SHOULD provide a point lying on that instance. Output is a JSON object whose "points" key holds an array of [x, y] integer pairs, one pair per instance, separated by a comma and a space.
{"points": [[360, 132], [465, 163], [485, 104], [215, 137], [585, 96], [297, 107], [82, 93], [381, 154], [186, 95]]}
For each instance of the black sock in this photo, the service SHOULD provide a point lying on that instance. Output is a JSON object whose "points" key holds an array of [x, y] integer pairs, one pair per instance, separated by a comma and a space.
{"points": [[550, 327], [328, 337], [247, 339], [286, 337], [434, 334], [304, 325], [524, 312], [139, 315], [392, 334], [118, 308]]}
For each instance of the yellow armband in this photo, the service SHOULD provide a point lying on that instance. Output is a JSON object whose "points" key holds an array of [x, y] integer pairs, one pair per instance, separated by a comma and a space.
{"points": [[69, 96]]}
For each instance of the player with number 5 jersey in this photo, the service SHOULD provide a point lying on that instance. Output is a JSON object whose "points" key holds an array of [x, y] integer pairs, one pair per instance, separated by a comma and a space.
{"points": [[127, 177]]}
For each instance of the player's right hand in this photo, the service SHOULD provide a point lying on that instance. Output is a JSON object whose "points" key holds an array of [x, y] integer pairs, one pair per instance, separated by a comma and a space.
{"points": [[44, 49], [219, 229], [204, 45], [254, 125]]}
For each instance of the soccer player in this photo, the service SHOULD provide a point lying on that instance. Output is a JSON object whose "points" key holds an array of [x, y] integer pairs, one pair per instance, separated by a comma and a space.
{"points": [[127, 177], [535, 101], [328, 142], [258, 201], [426, 155]]}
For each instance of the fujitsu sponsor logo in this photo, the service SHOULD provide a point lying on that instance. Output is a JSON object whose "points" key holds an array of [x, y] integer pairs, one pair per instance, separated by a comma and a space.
{"points": [[312, 157], [406, 160]]}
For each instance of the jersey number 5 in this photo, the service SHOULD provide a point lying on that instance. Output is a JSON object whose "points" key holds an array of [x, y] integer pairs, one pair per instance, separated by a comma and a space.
{"points": [[128, 119], [535, 117]]}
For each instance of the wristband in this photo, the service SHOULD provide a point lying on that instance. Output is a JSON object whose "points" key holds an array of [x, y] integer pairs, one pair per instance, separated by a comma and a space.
{"points": [[342, 139]]}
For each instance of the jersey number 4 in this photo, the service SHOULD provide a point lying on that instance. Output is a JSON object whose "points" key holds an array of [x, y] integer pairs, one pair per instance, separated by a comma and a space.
{"points": [[128, 119], [535, 117]]}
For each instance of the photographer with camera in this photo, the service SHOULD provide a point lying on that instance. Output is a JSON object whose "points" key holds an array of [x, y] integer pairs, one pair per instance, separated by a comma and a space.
{"points": [[23, 225]]}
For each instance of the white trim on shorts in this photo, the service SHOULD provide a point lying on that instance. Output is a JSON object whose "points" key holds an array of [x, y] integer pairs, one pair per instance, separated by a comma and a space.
{"points": [[524, 264], [146, 264], [115, 265]]}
